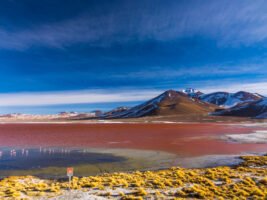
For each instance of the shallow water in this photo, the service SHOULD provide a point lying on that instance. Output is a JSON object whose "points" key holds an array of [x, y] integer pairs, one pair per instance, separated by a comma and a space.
{"points": [[24, 159]]}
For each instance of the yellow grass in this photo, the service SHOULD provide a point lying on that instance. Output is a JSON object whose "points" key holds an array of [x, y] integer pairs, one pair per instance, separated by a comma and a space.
{"points": [[246, 181]]}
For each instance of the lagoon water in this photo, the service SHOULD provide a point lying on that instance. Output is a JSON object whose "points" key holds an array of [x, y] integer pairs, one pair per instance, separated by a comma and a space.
{"points": [[47, 149]]}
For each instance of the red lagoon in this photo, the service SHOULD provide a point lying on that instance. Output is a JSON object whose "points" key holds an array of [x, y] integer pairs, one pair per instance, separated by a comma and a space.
{"points": [[183, 139]]}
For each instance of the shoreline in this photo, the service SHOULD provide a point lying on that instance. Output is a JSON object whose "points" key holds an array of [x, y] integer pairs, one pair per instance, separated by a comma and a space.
{"points": [[188, 118], [248, 123], [246, 180]]}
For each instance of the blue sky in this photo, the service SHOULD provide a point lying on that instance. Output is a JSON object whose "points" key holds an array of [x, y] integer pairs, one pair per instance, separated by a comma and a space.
{"points": [[128, 48]]}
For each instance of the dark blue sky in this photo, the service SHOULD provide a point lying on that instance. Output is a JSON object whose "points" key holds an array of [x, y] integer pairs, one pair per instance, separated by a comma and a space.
{"points": [[112, 45]]}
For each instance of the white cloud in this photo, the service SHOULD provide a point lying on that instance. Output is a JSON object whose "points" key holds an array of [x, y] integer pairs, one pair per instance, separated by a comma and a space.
{"points": [[106, 96], [259, 87], [193, 71], [71, 97]]}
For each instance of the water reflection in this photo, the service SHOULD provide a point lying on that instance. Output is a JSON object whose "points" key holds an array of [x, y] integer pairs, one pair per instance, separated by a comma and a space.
{"points": [[42, 157]]}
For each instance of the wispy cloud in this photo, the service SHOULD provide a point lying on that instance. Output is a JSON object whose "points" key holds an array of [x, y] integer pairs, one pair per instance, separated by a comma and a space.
{"points": [[195, 71], [72, 97], [109, 96], [257, 87], [228, 22]]}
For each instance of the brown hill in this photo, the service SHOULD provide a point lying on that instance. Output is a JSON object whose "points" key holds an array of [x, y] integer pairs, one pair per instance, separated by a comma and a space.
{"points": [[168, 103]]}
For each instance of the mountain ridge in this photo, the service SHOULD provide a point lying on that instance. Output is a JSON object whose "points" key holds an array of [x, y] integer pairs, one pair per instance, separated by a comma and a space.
{"points": [[256, 109], [185, 102], [167, 103], [227, 99]]}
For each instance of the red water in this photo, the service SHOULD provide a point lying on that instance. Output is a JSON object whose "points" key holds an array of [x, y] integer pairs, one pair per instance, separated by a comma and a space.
{"points": [[183, 139]]}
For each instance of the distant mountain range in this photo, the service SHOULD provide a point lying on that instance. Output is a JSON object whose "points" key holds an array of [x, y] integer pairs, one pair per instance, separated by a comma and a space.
{"points": [[255, 109], [224, 99], [192, 101], [59, 116]]}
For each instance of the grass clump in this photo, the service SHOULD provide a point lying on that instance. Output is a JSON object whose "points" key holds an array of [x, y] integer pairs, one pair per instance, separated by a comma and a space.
{"points": [[246, 181]]}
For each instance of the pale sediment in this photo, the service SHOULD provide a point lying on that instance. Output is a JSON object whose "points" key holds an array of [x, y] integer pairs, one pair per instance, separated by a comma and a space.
{"points": [[259, 136]]}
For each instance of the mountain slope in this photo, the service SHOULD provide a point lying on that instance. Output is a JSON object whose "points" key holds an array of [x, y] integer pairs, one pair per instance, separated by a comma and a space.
{"points": [[116, 111], [225, 99], [255, 109], [168, 103]]}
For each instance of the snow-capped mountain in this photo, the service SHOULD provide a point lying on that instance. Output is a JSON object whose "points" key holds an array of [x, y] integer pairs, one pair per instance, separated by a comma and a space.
{"points": [[227, 100], [192, 92], [188, 101], [168, 103], [255, 109]]}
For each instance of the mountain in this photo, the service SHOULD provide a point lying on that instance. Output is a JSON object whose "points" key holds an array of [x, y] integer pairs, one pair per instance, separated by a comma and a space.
{"points": [[256, 109], [116, 111], [227, 100], [192, 92], [168, 103]]}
